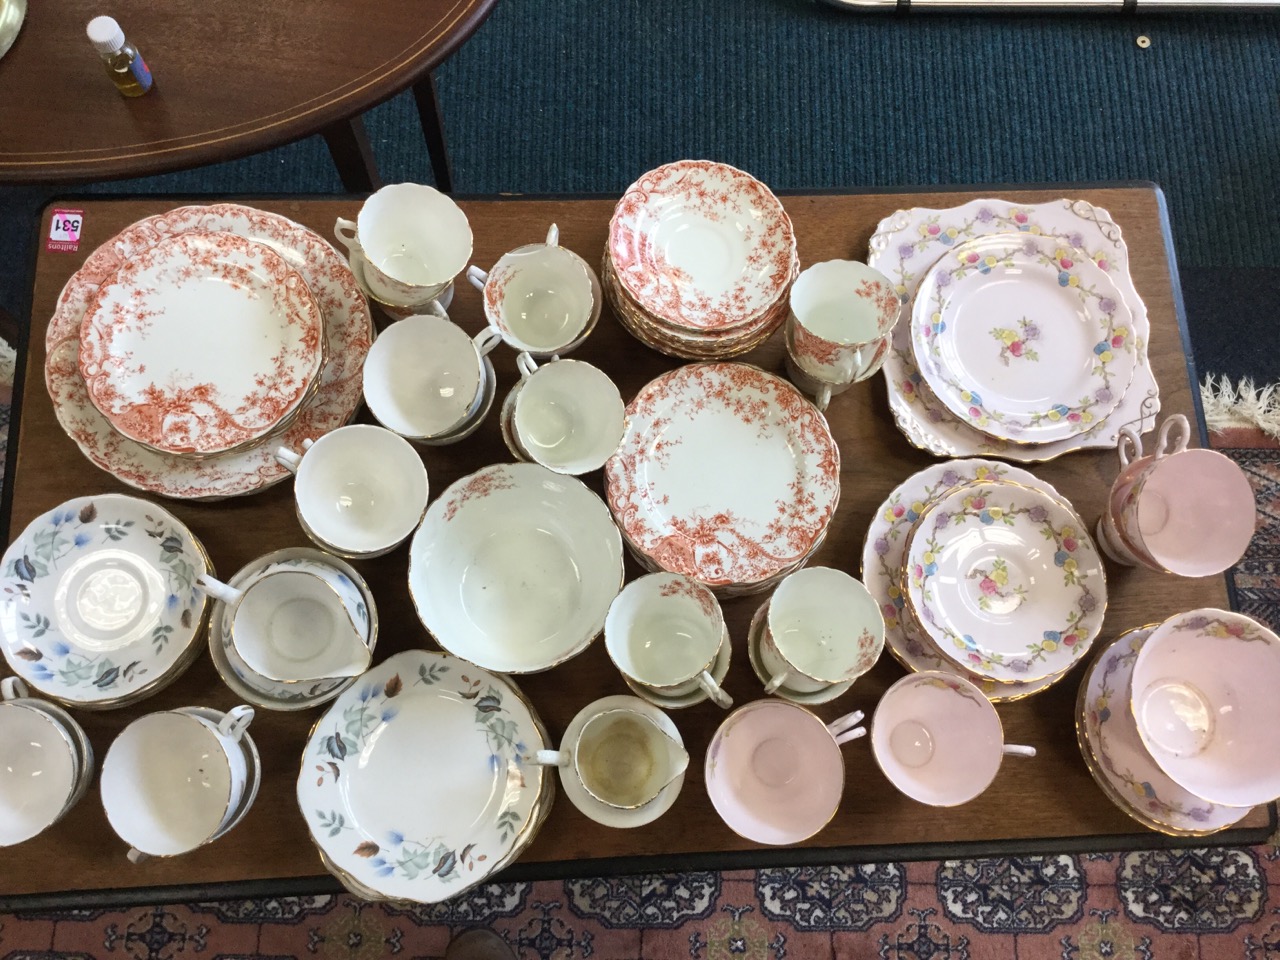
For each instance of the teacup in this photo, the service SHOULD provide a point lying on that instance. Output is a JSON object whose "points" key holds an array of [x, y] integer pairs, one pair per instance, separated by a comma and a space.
{"points": [[542, 298], [938, 739], [297, 623], [360, 490], [621, 757], [46, 763], [664, 632], [839, 326], [1185, 511], [566, 415], [413, 240], [775, 771], [425, 378], [176, 780], [822, 627]]}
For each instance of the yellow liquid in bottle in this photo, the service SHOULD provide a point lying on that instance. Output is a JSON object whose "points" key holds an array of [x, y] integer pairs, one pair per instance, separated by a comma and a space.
{"points": [[120, 69]]}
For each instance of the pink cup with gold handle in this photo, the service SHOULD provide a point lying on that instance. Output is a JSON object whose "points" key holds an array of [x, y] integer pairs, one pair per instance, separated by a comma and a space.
{"points": [[1187, 511]]}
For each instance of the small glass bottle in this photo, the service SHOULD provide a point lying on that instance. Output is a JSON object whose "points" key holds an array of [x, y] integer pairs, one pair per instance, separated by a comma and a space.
{"points": [[125, 66]]}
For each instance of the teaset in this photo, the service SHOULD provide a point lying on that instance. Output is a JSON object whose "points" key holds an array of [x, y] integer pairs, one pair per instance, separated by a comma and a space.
{"points": [[720, 479]]}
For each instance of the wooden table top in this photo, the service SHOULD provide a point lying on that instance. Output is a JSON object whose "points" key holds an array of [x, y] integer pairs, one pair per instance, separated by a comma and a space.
{"points": [[231, 79], [1049, 803]]}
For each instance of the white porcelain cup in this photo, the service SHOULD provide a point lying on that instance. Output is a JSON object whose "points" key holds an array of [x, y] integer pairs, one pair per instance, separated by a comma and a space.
{"points": [[542, 298], [46, 763], [938, 739], [360, 490], [413, 240], [566, 415], [839, 326], [664, 632], [821, 627], [297, 624], [621, 757], [175, 780], [425, 378]]}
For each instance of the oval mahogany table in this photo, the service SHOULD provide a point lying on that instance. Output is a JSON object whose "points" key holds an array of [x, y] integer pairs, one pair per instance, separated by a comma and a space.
{"points": [[231, 79]]}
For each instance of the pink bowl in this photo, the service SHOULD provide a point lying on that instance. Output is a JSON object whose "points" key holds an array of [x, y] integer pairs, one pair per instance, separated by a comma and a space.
{"points": [[1204, 698], [774, 773]]}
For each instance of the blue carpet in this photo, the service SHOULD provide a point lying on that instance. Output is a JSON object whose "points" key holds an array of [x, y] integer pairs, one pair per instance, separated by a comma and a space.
{"points": [[580, 96]]}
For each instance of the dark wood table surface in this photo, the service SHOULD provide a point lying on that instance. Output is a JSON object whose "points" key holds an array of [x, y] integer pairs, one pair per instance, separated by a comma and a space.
{"points": [[1049, 803], [231, 79]]}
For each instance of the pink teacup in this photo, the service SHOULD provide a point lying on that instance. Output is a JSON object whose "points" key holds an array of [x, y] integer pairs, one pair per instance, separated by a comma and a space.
{"points": [[938, 739], [774, 771], [1185, 511]]}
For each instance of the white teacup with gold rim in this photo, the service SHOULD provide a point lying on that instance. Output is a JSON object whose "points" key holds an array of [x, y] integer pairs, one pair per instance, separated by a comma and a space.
{"points": [[822, 627], [664, 632], [622, 758], [360, 490], [175, 780]]}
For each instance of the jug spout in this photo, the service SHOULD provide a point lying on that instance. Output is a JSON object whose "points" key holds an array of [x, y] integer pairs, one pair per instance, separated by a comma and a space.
{"points": [[677, 757]]}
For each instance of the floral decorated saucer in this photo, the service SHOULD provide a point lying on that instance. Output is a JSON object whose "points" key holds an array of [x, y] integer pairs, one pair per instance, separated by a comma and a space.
{"points": [[98, 604], [414, 783], [1020, 342], [726, 474], [1005, 581], [1114, 753]]}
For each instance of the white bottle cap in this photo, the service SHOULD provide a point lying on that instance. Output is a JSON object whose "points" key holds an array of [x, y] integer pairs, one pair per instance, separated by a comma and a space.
{"points": [[105, 34]]}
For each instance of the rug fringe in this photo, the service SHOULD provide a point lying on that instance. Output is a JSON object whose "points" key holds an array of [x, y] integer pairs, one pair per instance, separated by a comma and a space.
{"points": [[1240, 405]]}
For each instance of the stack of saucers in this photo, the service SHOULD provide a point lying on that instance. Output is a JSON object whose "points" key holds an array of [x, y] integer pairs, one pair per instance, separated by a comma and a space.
{"points": [[1179, 724], [957, 559], [725, 474], [699, 260]]}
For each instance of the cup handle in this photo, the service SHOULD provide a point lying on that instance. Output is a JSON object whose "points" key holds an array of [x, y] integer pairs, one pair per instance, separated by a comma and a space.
{"points": [[1130, 447], [1018, 750], [553, 236], [350, 242], [551, 758], [714, 691], [137, 856], [823, 398], [486, 340], [217, 589], [434, 309], [12, 688], [236, 721], [288, 459], [527, 365], [846, 724], [477, 277], [854, 734], [1180, 442], [775, 682]]}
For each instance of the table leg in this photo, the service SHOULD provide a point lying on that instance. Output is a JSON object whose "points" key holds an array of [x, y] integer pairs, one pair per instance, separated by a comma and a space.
{"points": [[424, 94], [353, 155]]}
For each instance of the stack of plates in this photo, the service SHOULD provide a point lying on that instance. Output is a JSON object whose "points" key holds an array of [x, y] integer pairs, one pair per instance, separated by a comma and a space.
{"points": [[194, 342], [726, 474], [957, 558], [699, 261], [1027, 338]]}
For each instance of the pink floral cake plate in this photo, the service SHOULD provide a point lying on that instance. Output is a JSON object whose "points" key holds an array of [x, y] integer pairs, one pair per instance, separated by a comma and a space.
{"points": [[726, 474], [1005, 581], [883, 555], [348, 334], [1020, 340], [1114, 753], [201, 344], [702, 245], [908, 242]]}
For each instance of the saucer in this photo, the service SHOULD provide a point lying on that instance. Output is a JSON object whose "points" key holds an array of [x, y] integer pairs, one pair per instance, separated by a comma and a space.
{"points": [[825, 695], [719, 670], [602, 813]]}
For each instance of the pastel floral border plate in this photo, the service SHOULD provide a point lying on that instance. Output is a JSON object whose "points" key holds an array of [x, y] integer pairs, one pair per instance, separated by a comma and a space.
{"points": [[908, 242], [1020, 340], [348, 333], [1114, 753], [1005, 581], [726, 474], [883, 556], [414, 782], [98, 605]]}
